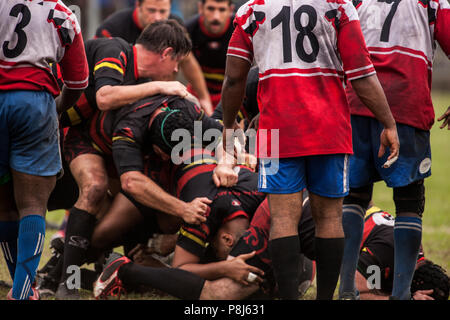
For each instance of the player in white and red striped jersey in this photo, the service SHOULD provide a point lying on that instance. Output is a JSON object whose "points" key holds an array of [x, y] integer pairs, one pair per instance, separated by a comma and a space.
{"points": [[33, 36], [401, 36], [305, 51]]}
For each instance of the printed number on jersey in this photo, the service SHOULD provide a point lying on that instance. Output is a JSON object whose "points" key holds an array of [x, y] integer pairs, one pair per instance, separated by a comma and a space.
{"points": [[21, 12], [305, 31]]}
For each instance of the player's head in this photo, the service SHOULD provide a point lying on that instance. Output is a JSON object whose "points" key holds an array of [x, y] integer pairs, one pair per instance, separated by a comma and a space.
{"points": [[227, 236], [166, 41], [215, 14], [163, 127], [150, 11], [429, 275]]}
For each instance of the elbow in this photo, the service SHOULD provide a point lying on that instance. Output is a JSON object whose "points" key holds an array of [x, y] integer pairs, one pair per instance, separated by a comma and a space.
{"points": [[128, 184], [103, 99]]}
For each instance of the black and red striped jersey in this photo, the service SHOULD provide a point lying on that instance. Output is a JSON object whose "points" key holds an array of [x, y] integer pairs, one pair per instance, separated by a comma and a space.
{"points": [[111, 62], [210, 50]]}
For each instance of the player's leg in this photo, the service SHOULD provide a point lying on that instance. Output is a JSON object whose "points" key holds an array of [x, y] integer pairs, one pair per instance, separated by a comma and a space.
{"points": [[409, 203], [406, 178], [354, 209], [34, 160], [361, 177], [9, 219], [327, 186], [329, 243], [284, 188], [120, 272], [226, 289], [121, 217], [9, 224], [92, 179], [31, 194]]}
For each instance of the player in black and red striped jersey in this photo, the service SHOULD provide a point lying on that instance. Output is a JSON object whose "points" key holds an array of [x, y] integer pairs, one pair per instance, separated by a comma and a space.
{"points": [[115, 66], [210, 33], [129, 23], [248, 242]]}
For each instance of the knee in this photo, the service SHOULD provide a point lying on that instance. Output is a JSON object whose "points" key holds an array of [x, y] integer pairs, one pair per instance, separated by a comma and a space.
{"points": [[360, 196], [94, 191], [410, 199]]}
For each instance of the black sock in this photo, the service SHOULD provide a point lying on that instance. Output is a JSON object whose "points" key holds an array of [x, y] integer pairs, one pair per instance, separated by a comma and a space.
{"points": [[176, 282], [80, 227], [285, 255], [329, 254]]}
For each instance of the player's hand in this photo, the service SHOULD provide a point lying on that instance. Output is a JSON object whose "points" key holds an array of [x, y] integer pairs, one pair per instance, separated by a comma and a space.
{"points": [[389, 139], [224, 176], [195, 211], [206, 106], [254, 123], [423, 295], [174, 88], [446, 118], [238, 269]]}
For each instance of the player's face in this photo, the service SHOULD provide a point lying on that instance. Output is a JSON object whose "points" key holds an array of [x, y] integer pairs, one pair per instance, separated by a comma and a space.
{"points": [[220, 245], [152, 11], [215, 14]]}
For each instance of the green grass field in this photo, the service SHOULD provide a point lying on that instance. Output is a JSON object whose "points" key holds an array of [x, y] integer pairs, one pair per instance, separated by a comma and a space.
{"points": [[436, 220]]}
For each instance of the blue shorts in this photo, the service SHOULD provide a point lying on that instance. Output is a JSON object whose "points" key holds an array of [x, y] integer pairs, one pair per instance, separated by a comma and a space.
{"points": [[414, 162], [324, 175], [29, 133]]}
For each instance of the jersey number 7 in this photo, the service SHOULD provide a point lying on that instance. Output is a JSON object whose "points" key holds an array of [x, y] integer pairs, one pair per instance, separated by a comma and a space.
{"points": [[385, 32]]}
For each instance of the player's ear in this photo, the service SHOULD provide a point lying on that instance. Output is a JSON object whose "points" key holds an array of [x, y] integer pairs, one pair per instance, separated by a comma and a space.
{"points": [[200, 7], [167, 53], [228, 239]]}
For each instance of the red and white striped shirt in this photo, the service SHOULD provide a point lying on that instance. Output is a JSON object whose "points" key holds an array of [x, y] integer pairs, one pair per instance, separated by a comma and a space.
{"points": [[305, 50], [401, 37], [33, 36]]}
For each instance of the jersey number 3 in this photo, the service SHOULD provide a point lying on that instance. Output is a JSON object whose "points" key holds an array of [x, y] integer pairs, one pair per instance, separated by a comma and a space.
{"points": [[284, 18], [21, 35]]}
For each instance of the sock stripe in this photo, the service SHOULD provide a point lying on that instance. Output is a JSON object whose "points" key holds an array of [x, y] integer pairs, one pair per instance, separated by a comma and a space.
{"points": [[25, 284], [409, 228], [7, 252], [39, 244], [406, 224], [354, 208]]}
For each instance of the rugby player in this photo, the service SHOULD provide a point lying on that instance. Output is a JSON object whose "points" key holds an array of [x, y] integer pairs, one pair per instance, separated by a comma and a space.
{"points": [[128, 25], [115, 66], [231, 241], [302, 55], [210, 32], [402, 49], [34, 36]]}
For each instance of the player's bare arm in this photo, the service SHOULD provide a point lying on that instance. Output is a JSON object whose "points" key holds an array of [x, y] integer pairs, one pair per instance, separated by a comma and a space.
{"points": [[234, 268], [113, 97], [67, 98], [147, 192]]}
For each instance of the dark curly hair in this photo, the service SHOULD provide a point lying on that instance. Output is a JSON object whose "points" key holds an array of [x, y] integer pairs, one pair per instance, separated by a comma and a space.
{"points": [[166, 123], [431, 276]]}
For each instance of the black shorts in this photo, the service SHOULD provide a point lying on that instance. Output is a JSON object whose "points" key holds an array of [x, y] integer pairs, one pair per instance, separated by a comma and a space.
{"points": [[78, 142]]}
